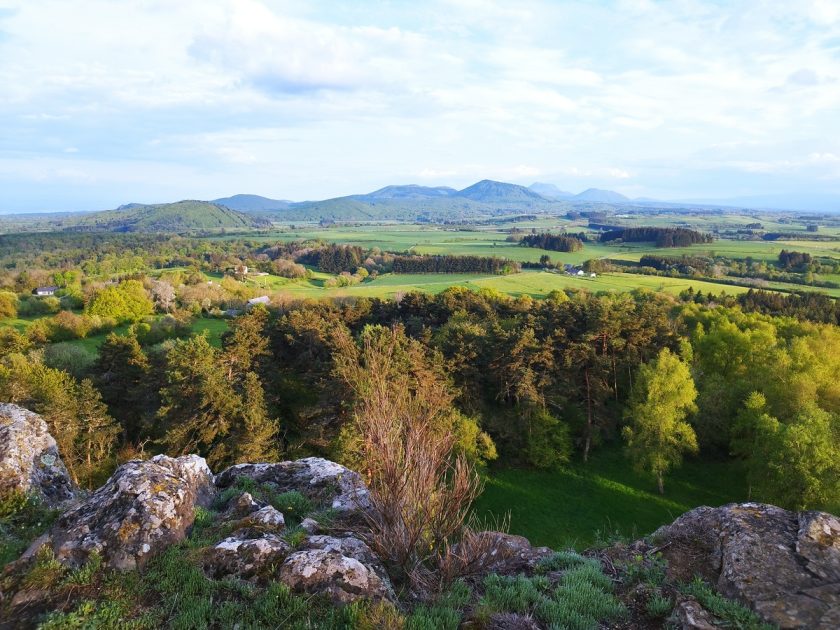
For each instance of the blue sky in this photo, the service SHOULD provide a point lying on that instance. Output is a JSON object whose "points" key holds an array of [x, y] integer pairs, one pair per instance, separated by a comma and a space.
{"points": [[110, 101]]}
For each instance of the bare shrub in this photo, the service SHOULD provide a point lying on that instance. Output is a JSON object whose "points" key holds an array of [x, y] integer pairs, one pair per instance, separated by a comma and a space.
{"points": [[420, 490]]}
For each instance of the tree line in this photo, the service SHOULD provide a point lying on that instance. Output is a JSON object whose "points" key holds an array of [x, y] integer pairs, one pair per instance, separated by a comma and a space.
{"points": [[453, 264], [663, 237], [554, 242]]}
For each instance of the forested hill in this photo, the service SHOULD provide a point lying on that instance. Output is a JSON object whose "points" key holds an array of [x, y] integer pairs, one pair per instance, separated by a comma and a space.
{"points": [[182, 216]]}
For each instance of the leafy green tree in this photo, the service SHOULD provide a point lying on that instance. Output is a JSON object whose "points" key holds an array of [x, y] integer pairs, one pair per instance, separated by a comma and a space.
{"points": [[8, 304], [128, 302], [794, 464], [549, 444], [657, 434]]}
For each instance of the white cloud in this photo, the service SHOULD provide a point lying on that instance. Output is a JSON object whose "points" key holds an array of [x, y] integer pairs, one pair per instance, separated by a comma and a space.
{"points": [[311, 99]]}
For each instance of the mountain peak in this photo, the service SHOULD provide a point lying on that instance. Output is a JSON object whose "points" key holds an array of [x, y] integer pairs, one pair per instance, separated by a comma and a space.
{"points": [[599, 195], [490, 190], [550, 191]]}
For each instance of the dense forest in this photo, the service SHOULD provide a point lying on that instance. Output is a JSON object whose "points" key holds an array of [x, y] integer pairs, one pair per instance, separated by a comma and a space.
{"points": [[453, 264], [535, 382], [663, 237], [554, 242]]}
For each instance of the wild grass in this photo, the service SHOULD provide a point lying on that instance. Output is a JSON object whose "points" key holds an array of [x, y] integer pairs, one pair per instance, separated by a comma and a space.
{"points": [[733, 614], [570, 506], [581, 600]]}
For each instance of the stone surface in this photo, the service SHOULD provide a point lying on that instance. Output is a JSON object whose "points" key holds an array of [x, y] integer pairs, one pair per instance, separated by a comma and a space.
{"points": [[343, 569], [143, 508], [690, 615], [324, 482], [266, 518], [505, 553], [511, 621], [784, 565], [29, 459], [247, 558], [244, 505], [310, 525]]}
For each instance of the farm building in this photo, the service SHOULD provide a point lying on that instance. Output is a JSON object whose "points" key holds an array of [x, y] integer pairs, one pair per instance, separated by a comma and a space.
{"points": [[44, 291], [263, 299]]}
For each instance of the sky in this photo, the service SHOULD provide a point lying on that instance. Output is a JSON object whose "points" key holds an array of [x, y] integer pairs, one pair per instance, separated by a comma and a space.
{"points": [[105, 102]]}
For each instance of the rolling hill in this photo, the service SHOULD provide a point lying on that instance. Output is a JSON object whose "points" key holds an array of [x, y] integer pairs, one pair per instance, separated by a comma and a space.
{"points": [[550, 191], [409, 191], [488, 190], [181, 216], [252, 203], [600, 196]]}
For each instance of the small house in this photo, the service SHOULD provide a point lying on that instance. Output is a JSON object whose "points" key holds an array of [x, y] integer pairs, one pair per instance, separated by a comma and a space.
{"points": [[44, 291], [580, 272], [263, 299]]}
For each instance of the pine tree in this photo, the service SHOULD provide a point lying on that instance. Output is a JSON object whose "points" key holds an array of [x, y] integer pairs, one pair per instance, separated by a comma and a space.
{"points": [[256, 438]]}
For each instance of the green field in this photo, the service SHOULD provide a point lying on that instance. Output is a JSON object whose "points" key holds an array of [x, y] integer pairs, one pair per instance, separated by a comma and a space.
{"points": [[534, 283], [570, 507], [490, 240]]}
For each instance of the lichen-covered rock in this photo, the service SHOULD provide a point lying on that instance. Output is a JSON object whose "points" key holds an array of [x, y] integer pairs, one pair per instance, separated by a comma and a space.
{"points": [[29, 459], [497, 552], [144, 507], [323, 481], [245, 557], [310, 525], [784, 565], [244, 505], [343, 569], [266, 518], [688, 614]]}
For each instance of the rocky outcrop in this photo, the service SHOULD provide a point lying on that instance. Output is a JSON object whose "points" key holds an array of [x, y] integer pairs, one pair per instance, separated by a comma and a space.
{"points": [[497, 552], [784, 565], [322, 481], [29, 459], [249, 558], [342, 569], [143, 508]]}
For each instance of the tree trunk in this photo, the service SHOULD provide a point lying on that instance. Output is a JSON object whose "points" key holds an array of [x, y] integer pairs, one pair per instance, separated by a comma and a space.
{"points": [[588, 441], [661, 483]]}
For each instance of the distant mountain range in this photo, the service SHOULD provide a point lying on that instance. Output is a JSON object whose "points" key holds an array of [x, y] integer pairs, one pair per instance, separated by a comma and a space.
{"points": [[181, 216], [410, 202]]}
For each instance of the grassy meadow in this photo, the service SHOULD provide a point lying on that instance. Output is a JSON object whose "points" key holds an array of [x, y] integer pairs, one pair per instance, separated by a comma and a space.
{"points": [[576, 505]]}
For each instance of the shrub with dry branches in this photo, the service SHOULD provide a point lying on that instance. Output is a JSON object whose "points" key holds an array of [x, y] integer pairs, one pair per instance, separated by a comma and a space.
{"points": [[402, 438]]}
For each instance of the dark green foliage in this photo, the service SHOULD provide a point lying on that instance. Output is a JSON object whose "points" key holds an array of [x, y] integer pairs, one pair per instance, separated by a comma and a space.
{"points": [[658, 605], [649, 570], [555, 242], [793, 260], [294, 505], [453, 264], [22, 519], [733, 614], [663, 237]]}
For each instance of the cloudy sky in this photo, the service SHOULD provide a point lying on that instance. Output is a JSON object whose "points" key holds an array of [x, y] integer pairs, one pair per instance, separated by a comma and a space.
{"points": [[109, 101]]}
